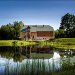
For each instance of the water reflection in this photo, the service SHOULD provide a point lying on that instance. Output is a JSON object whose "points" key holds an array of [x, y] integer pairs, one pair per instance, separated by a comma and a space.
{"points": [[56, 55], [18, 53], [46, 52], [9, 67], [23, 60]]}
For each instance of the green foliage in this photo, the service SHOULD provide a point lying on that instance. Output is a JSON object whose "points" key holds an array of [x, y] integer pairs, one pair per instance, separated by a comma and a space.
{"points": [[68, 25], [17, 27], [59, 33], [11, 31]]}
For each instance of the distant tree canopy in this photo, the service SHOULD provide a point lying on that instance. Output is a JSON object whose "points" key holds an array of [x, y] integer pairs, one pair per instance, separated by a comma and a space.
{"points": [[11, 31], [67, 26], [66, 29]]}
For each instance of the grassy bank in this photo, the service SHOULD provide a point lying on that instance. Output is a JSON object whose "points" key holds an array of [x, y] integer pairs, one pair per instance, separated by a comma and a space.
{"points": [[66, 43], [15, 43], [61, 41]]}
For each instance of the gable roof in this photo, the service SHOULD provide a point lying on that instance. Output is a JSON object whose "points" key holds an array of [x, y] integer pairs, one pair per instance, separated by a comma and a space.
{"points": [[34, 28], [24, 30]]}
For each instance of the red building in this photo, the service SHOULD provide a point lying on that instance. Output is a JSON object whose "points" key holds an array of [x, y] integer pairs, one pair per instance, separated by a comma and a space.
{"points": [[37, 32]]}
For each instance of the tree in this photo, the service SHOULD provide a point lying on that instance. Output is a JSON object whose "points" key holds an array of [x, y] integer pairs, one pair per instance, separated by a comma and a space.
{"points": [[17, 26], [59, 33], [11, 31], [6, 31], [68, 24]]}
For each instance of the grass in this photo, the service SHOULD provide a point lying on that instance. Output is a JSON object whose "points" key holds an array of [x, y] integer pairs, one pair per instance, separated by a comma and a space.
{"points": [[65, 43], [16, 43], [66, 70], [38, 67]]}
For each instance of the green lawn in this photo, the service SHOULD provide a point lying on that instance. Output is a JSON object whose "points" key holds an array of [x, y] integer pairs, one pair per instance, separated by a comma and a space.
{"points": [[15, 43], [66, 43]]}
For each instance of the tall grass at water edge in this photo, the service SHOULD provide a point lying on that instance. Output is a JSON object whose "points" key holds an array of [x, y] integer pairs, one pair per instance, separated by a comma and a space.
{"points": [[38, 67]]}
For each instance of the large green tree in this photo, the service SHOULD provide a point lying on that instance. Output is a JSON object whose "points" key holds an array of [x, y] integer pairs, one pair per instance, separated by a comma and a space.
{"points": [[68, 24], [11, 31], [7, 31], [17, 26]]}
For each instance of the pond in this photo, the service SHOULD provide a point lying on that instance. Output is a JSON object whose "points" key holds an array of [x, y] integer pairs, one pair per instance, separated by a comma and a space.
{"points": [[36, 60]]}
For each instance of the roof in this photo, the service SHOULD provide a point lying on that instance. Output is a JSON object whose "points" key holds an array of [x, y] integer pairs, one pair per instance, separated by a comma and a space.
{"points": [[24, 30], [34, 28]]}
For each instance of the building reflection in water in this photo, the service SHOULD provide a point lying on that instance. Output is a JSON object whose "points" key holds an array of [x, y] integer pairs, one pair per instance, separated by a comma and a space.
{"points": [[17, 58], [34, 51]]}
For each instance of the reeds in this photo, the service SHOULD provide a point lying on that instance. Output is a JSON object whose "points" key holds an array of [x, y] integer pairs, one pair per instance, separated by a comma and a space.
{"points": [[38, 67]]}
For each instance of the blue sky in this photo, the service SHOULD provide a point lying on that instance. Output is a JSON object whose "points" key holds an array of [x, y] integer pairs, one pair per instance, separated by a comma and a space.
{"points": [[35, 11]]}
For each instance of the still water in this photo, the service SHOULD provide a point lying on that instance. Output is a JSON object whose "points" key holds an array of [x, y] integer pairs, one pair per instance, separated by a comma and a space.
{"points": [[29, 60]]}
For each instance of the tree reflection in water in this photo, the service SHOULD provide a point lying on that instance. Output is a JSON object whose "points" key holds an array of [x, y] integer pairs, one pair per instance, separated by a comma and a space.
{"points": [[32, 59]]}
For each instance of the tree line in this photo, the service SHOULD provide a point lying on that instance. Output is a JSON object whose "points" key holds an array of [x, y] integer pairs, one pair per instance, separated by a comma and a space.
{"points": [[11, 31], [67, 27]]}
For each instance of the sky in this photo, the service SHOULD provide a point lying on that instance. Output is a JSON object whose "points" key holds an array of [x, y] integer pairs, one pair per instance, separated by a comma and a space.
{"points": [[35, 12]]}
